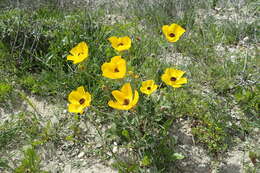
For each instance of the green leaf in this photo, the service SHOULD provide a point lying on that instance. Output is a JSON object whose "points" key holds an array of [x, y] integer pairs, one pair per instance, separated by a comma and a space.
{"points": [[125, 133], [145, 161], [178, 156]]}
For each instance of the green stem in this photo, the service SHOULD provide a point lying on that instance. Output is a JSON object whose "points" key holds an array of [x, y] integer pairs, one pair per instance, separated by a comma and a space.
{"points": [[99, 132], [28, 101]]}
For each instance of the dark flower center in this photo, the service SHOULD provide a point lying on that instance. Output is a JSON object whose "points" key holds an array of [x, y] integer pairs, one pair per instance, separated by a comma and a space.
{"points": [[172, 35], [148, 88], [116, 70], [173, 79], [82, 101], [79, 53], [120, 44], [126, 102]]}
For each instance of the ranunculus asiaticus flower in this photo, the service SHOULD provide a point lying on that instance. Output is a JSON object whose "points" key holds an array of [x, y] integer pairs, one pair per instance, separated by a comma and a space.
{"points": [[79, 100], [115, 69], [124, 99], [173, 77], [78, 53], [120, 43], [173, 32], [148, 87]]}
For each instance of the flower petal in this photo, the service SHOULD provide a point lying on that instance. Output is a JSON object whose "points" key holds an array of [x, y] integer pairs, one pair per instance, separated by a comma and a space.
{"points": [[176, 86], [178, 30], [76, 108], [144, 90], [119, 96], [127, 90], [127, 42], [166, 78], [107, 67], [74, 50], [182, 81], [176, 73], [136, 98], [83, 46], [87, 98], [74, 97], [71, 57], [81, 90], [113, 40], [116, 105], [165, 29], [115, 59], [154, 87]]}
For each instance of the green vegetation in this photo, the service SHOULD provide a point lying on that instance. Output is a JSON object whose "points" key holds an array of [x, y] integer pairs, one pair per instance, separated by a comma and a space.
{"points": [[220, 103]]}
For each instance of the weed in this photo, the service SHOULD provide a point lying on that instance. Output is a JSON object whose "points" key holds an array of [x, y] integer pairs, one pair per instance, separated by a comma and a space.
{"points": [[30, 162]]}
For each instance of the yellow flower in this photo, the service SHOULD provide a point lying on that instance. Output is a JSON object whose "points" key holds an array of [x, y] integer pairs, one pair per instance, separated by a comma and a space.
{"points": [[115, 69], [173, 32], [148, 87], [78, 53], [173, 77], [124, 98], [79, 100], [120, 43]]}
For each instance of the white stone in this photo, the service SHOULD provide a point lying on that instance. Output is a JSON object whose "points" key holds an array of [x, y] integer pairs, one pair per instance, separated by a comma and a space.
{"points": [[81, 154]]}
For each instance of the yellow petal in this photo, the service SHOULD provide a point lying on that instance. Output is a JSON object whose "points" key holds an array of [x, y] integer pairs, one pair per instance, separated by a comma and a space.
{"points": [[172, 39], [78, 60], [81, 90], [176, 86], [127, 42], [165, 29], [144, 90], [146, 83], [136, 98], [127, 90], [115, 59], [83, 46], [168, 71], [178, 30], [154, 87], [166, 78], [182, 81], [119, 96], [70, 57], [122, 68], [118, 75], [113, 39], [76, 108], [74, 50], [107, 67], [116, 105], [176, 73], [74, 97], [87, 98], [172, 27]]}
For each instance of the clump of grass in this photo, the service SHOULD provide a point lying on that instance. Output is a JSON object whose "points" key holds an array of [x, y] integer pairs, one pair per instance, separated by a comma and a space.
{"points": [[5, 91]]}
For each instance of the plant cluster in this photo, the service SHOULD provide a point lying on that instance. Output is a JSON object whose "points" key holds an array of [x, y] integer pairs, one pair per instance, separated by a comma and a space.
{"points": [[117, 69]]}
